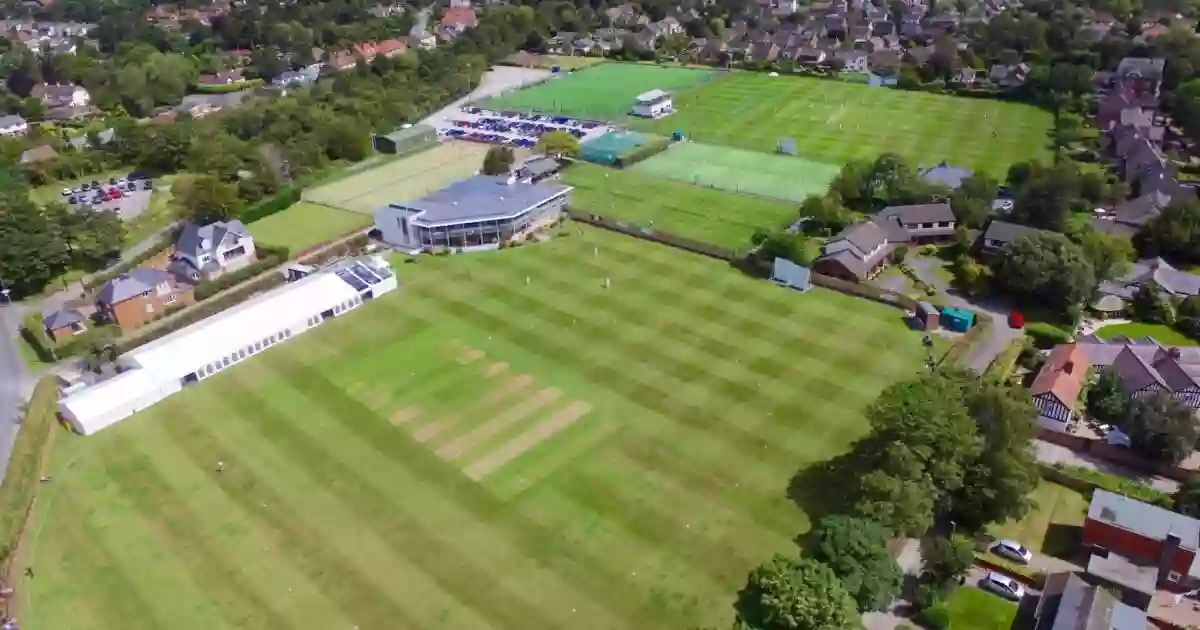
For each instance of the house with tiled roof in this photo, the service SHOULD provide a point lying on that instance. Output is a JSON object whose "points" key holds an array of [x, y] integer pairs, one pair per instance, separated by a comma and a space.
{"points": [[1058, 384], [856, 254], [917, 224], [141, 295], [459, 19]]}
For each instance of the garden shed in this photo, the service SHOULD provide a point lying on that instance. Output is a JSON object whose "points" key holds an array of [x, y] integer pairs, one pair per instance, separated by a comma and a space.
{"points": [[789, 274], [927, 316], [957, 319]]}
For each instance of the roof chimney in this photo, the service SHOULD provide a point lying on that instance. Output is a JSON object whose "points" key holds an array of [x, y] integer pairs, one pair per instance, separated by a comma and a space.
{"points": [[1174, 353]]}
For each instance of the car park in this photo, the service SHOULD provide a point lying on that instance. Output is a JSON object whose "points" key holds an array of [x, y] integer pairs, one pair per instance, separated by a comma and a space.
{"points": [[131, 186], [1013, 550], [1002, 585], [66, 192], [84, 187]]}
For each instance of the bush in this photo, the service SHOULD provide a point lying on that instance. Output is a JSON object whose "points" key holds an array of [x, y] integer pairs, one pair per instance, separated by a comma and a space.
{"points": [[99, 279], [1087, 479], [899, 254], [35, 333], [936, 617], [280, 201], [1047, 335], [273, 258], [927, 596], [25, 464]]}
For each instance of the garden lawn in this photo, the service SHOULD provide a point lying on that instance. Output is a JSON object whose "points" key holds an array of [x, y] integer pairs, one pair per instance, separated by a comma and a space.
{"points": [[603, 92], [837, 122], [1163, 334], [975, 609], [1053, 524], [741, 170], [476, 451], [304, 225], [714, 216]]}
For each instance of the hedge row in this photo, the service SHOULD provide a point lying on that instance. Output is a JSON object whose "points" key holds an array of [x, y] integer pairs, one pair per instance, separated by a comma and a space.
{"points": [[204, 309], [21, 477], [269, 257], [666, 238], [282, 200], [34, 332], [1002, 366], [643, 152], [1085, 480], [99, 279]]}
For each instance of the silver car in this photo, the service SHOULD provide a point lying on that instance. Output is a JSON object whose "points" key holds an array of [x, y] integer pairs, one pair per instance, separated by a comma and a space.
{"points": [[1012, 550], [1003, 586]]}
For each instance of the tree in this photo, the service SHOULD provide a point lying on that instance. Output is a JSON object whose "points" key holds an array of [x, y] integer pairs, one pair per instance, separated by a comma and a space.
{"points": [[824, 215], [1110, 255], [998, 483], [1174, 233], [795, 594], [1161, 428], [1186, 499], [972, 202], [921, 442], [206, 199], [1106, 401], [35, 251], [1044, 196], [1151, 306], [856, 550], [498, 161], [788, 245], [1046, 269], [560, 144], [945, 560]]}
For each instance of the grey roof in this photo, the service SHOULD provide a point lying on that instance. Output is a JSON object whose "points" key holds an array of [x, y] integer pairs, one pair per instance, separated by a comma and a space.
{"points": [[192, 237], [1084, 606], [946, 175], [1141, 66], [865, 237], [1149, 521], [62, 318], [131, 284], [480, 198], [1161, 274], [1006, 232], [1139, 210], [922, 213], [11, 120], [1135, 371], [541, 166]]}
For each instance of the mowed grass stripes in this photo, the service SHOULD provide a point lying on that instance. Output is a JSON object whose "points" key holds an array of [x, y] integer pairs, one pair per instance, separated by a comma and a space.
{"points": [[476, 451], [838, 122]]}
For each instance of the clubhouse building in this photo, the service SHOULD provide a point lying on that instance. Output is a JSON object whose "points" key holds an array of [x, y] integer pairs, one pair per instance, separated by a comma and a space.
{"points": [[653, 104], [478, 213]]}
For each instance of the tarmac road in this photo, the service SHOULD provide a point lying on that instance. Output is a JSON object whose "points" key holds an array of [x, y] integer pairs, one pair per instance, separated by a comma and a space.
{"points": [[16, 382]]}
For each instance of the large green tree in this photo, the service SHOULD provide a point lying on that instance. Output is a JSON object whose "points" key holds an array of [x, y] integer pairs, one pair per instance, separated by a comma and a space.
{"points": [[1174, 233], [1186, 499], [1161, 428], [560, 144], [998, 483], [856, 550], [33, 247], [498, 161], [795, 594], [1046, 269]]}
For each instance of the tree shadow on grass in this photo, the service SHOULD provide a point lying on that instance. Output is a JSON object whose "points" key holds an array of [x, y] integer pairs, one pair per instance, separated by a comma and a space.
{"points": [[826, 488]]}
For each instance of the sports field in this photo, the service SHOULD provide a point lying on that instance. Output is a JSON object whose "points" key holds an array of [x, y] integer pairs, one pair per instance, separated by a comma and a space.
{"points": [[603, 92], [472, 451], [705, 214], [741, 170], [403, 179], [837, 122], [304, 225]]}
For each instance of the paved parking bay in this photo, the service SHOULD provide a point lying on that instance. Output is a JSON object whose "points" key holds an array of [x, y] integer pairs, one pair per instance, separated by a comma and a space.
{"points": [[132, 204]]}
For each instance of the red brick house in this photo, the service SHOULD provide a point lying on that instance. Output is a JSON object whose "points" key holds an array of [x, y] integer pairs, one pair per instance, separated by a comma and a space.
{"points": [[1145, 535], [141, 295]]}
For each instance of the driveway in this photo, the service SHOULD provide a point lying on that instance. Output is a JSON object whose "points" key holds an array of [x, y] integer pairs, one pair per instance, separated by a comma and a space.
{"points": [[1051, 453], [998, 337], [899, 613]]}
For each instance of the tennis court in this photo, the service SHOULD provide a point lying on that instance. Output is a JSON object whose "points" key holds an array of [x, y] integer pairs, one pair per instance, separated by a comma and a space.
{"points": [[407, 178], [603, 92], [739, 170]]}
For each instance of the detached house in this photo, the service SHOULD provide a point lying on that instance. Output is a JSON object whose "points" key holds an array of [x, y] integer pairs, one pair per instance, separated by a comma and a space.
{"points": [[13, 125], [1057, 386], [999, 235], [138, 296], [1142, 375], [856, 254], [204, 252], [458, 19], [64, 324], [1144, 535], [920, 224], [61, 95], [1141, 78]]}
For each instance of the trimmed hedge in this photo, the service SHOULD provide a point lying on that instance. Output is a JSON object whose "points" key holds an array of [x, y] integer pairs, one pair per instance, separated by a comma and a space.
{"points": [[280, 201], [34, 332], [958, 351], [99, 279], [1002, 366], [666, 238], [936, 617], [1047, 335], [644, 152], [21, 477]]}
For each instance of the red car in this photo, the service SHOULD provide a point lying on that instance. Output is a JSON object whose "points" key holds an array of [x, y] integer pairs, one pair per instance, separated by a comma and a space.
{"points": [[1016, 320]]}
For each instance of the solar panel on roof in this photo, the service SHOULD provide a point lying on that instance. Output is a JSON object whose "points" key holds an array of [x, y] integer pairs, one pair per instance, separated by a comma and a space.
{"points": [[365, 274], [352, 280]]}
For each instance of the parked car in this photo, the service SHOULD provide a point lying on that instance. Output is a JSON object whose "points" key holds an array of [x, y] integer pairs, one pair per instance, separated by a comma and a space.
{"points": [[148, 185], [84, 187], [67, 192], [1016, 320], [1013, 550], [1003, 586], [131, 186], [72, 200]]}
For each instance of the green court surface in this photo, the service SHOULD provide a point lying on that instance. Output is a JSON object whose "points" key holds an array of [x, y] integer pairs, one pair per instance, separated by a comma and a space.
{"points": [[475, 451], [304, 225], [741, 170], [836, 122], [603, 92], [706, 214]]}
